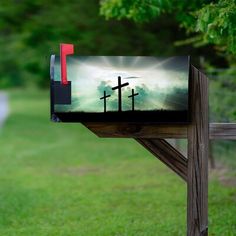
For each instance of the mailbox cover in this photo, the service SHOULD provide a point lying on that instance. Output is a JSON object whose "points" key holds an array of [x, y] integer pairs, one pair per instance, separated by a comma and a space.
{"points": [[121, 89]]}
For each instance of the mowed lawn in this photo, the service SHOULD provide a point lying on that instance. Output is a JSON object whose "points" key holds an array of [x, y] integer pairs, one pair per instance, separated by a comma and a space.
{"points": [[60, 179]]}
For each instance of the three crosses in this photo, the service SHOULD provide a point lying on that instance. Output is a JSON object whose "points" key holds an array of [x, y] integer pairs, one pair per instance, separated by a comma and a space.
{"points": [[118, 87]]}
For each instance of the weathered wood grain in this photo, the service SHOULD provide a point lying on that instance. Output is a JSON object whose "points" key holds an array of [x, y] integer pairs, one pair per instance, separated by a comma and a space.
{"points": [[197, 174], [166, 153], [133, 130], [223, 131]]}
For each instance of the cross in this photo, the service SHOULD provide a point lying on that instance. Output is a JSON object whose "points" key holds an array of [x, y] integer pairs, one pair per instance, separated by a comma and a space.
{"points": [[119, 86], [132, 96], [105, 102]]}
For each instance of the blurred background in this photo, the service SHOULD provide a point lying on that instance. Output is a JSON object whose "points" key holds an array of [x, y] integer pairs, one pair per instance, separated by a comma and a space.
{"points": [[60, 179]]}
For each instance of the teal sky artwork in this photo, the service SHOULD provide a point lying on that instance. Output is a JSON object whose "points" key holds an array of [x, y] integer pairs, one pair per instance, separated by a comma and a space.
{"points": [[159, 83]]}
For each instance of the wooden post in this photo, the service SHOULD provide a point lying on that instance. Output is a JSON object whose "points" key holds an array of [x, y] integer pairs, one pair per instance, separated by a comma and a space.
{"points": [[197, 167], [194, 168]]}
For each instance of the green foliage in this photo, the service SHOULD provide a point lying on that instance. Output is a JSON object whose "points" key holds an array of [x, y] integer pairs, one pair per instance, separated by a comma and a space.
{"points": [[223, 97], [214, 21], [137, 10], [143, 11], [32, 30]]}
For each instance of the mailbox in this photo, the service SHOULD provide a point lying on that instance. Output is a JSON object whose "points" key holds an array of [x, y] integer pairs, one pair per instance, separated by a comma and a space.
{"points": [[119, 88]]}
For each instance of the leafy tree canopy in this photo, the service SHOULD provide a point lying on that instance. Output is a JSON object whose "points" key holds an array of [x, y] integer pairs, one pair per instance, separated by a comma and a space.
{"points": [[32, 30], [214, 21]]}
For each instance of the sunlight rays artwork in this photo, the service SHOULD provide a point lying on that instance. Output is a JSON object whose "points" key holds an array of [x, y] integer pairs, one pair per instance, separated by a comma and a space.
{"points": [[123, 88]]}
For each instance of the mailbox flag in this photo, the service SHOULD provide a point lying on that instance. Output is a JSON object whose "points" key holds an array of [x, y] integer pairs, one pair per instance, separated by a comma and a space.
{"points": [[65, 49]]}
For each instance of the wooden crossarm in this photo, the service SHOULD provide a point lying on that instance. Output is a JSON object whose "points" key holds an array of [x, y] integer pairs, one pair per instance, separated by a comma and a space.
{"points": [[223, 131], [166, 153]]}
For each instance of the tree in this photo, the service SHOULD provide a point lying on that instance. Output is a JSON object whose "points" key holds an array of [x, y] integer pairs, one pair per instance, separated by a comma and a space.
{"points": [[32, 30], [212, 21]]}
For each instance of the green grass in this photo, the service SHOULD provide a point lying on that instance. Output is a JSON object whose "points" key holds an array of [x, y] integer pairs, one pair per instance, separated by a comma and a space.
{"points": [[224, 151], [60, 179]]}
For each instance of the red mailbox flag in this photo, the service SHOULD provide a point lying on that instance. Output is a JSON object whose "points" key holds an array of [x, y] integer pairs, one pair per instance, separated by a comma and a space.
{"points": [[65, 49]]}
